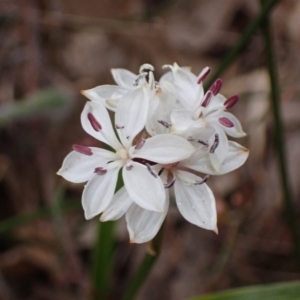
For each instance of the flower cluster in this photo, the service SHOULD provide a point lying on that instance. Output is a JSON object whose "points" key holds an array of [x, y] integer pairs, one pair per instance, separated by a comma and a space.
{"points": [[165, 134]]}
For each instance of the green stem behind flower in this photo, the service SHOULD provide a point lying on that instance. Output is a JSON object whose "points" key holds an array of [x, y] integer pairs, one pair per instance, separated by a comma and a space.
{"points": [[243, 41], [280, 141], [103, 252], [102, 259], [145, 267]]}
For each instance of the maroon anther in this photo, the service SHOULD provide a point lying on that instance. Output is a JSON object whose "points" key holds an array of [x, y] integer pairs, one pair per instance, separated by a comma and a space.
{"points": [[215, 144], [94, 123], [100, 171], [216, 86], [129, 167], [202, 143], [231, 101], [140, 144], [207, 98], [150, 170], [83, 150], [191, 139], [203, 75], [119, 126], [164, 123], [170, 184], [226, 122]]}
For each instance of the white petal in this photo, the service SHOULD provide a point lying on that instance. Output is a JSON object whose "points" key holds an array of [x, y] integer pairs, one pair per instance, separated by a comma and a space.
{"points": [[143, 224], [131, 114], [181, 120], [166, 104], [108, 95], [236, 157], [221, 149], [99, 192], [186, 82], [195, 157], [196, 203], [167, 77], [216, 103], [118, 206], [234, 131], [79, 167], [199, 136], [124, 78], [106, 134], [187, 177], [143, 188], [164, 149]]}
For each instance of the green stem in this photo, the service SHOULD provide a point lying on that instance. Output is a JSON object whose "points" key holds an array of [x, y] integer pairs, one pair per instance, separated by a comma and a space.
{"points": [[103, 251], [145, 267], [102, 260], [280, 141], [243, 41]]}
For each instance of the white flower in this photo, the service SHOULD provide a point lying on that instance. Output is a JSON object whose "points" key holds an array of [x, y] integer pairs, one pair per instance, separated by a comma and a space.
{"points": [[109, 95], [100, 167], [168, 134], [204, 110], [194, 200]]}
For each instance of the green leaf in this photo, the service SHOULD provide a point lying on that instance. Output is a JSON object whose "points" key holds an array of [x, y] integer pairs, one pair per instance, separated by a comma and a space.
{"points": [[27, 218], [277, 291], [47, 102]]}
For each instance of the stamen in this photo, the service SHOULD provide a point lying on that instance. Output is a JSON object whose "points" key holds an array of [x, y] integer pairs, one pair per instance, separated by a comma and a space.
{"points": [[215, 144], [139, 77], [100, 171], [129, 167], [216, 86], [82, 149], [140, 144], [203, 75], [202, 143], [219, 84], [205, 178], [191, 139], [150, 80], [150, 170], [226, 122], [231, 101], [170, 184], [94, 122], [160, 171], [164, 123], [146, 68], [119, 126], [207, 98]]}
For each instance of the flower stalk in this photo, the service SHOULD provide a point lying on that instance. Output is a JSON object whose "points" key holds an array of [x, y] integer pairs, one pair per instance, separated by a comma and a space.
{"points": [[243, 40], [279, 136]]}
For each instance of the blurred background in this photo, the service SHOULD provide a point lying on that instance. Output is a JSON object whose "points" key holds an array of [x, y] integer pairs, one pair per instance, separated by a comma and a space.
{"points": [[52, 49]]}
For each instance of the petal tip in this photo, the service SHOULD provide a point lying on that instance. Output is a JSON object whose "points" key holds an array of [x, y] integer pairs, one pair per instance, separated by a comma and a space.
{"points": [[87, 216], [102, 218]]}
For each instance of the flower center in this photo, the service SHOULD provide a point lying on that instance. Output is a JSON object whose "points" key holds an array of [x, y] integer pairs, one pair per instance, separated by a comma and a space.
{"points": [[170, 166], [122, 153]]}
